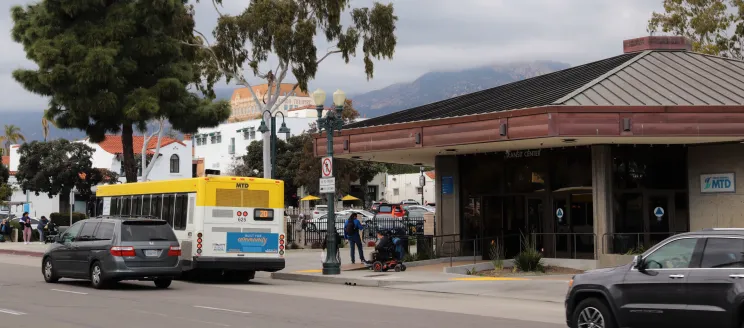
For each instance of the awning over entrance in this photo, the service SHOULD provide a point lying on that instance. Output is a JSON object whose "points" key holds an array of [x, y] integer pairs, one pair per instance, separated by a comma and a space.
{"points": [[649, 97]]}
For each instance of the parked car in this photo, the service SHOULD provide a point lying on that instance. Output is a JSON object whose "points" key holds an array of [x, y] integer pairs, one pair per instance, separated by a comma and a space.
{"points": [[375, 206], [321, 224], [694, 279], [394, 210], [319, 210], [111, 249], [419, 210], [410, 202]]}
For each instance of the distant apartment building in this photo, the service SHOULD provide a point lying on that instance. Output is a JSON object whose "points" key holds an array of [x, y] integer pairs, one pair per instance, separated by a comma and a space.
{"points": [[401, 187], [244, 105], [218, 148]]}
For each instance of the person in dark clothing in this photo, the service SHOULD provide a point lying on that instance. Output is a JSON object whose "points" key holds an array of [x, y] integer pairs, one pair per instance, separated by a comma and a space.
{"points": [[384, 248], [40, 227], [339, 242], [5, 230], [351, 232]]}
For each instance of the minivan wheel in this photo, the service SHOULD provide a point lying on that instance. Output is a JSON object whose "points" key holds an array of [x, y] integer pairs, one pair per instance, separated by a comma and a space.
{"points": [[163, 283], [592, 313], [50, 273], [97, 276]]}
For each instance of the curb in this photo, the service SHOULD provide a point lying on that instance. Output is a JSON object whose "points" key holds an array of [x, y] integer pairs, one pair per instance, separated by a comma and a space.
{"points": [[335, 280], [21, 253]]}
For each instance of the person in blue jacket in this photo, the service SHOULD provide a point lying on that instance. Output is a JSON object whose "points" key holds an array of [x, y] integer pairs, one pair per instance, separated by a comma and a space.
{"points": [[351, 232]]}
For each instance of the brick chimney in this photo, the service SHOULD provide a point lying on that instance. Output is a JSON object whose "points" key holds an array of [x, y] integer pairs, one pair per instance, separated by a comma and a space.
{"points": [[657, 43]]}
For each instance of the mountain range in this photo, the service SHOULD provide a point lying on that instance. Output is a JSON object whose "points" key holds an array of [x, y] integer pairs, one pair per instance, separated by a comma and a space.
{"points": [[430, 87]]}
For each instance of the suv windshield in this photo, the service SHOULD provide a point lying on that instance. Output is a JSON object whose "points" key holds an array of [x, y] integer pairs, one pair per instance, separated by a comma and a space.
{"points": [[146, 231]]}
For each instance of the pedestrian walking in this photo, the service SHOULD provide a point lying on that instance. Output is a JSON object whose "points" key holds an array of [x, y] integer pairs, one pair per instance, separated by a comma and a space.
{"points": [[41, 226], [25, 222], [351, 232], [5, 229]]}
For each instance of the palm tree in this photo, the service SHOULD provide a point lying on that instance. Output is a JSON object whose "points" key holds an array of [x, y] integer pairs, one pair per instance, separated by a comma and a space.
{"points": [[12, 135], [45, 120]]}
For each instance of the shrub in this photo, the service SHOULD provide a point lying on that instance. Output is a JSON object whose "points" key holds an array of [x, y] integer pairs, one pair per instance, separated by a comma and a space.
{"points": [[63, 219], [496, 253], [529, 259], [636, 251], [471, 272], [409, 257], [412, 242]]}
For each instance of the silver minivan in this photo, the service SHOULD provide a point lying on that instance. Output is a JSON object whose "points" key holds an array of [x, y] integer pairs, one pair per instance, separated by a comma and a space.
{"points": [[110, 249]]}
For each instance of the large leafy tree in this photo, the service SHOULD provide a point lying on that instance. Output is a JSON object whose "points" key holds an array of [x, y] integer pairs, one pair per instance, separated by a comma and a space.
{"points": [[285, 32], [715, 27], [111, 66], [11, 134], [58, 166]]}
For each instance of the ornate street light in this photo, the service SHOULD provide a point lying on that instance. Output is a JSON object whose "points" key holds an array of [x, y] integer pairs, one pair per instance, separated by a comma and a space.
{"points": [[333, 122], [263, 129]]}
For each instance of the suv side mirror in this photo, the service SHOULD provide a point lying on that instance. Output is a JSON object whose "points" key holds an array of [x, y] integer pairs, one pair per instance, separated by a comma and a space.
{"points": [[58, 238]]}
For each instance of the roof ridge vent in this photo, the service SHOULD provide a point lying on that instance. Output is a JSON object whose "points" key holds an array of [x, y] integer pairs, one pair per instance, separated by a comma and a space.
{"points": [[657, 43]]}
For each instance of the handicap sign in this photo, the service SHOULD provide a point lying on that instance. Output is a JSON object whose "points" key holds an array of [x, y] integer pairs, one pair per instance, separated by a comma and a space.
{"points": [[659, 212], [559, 214]]}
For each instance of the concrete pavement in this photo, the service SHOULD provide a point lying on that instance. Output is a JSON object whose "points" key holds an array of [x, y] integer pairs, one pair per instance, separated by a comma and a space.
{"points": [[27, 301]]}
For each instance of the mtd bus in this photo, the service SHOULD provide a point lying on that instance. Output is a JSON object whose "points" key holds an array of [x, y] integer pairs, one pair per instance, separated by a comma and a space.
{"points": [[231, 226]]}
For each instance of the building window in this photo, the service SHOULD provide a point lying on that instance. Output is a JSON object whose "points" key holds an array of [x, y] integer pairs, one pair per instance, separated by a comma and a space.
{"points": [[231, 147], [419, 190], [175, 164], [396, 192]]}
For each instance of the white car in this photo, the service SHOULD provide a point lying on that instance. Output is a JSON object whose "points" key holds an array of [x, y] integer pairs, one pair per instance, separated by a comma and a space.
{"points": [[320, 224], [409, 202], [319, 211]]}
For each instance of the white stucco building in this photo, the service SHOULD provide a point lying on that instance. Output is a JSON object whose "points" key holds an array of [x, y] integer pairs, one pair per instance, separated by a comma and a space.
{"points": [[244, 105], [400, 187], [174, 162], [219, 147]]}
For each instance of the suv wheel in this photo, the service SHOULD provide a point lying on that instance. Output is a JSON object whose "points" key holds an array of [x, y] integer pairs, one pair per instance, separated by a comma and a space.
{"points": [[592, 313], [50, 274], [163, 283], [97, 275]]}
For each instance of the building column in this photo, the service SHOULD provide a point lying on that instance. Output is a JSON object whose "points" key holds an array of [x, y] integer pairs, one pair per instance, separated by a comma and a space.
{"points": [[604, 223], [447, 205]]}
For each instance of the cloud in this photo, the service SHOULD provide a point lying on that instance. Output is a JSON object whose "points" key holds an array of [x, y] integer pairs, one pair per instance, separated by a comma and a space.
{"points": [[433, 35]]}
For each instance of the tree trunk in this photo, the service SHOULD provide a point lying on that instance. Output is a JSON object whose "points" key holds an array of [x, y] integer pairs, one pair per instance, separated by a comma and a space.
{"points": [[364, 193], [130, 164]]}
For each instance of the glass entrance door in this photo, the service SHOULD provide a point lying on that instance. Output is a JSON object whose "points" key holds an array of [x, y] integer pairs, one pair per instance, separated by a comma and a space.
{"points": [[659, 214]]}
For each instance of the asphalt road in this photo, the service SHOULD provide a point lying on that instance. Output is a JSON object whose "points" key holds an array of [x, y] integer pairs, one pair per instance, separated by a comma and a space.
{"points": [[27, 301]]}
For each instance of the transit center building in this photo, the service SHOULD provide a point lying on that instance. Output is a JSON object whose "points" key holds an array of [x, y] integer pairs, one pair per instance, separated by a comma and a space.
{"points": [[592, 162]]}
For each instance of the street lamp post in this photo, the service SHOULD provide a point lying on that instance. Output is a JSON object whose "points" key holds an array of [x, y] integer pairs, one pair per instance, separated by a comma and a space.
{"points": [[282, 129], [331, 123], [422, 183]]}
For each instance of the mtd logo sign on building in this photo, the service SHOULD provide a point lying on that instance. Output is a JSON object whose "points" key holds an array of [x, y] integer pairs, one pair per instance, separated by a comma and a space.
{"points": [[715, 183]]}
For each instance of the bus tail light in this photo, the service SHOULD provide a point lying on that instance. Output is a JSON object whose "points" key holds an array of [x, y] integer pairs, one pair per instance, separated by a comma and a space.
{"points": [[199, 243], [123, 251], [281, 245], [174, 251]]}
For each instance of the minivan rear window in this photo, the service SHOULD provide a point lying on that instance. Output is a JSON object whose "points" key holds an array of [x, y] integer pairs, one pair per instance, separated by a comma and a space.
{"points": [[147, 231]]}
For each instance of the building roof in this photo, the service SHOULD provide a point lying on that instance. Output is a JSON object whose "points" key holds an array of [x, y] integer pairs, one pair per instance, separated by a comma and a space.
{"points": [[244, 93], [430, 174], [112, 144], [653, 77]]}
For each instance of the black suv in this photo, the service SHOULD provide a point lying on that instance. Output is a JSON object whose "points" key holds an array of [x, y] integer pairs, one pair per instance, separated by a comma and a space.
{"points": [[689, 280], [111, 249]]}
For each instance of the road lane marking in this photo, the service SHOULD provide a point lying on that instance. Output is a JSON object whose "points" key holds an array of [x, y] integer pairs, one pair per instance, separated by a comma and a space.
{"points": [[11, 312], [309, 271], [218, 309], [69, 291], [489, 279], [185, 319]]}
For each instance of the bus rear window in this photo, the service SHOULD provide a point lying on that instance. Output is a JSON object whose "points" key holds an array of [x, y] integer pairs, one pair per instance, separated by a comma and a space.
{"points": [[147, 231]]}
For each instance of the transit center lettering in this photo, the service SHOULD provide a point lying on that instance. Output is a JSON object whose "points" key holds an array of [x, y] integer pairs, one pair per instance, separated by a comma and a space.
{"points": [[258, 240]]}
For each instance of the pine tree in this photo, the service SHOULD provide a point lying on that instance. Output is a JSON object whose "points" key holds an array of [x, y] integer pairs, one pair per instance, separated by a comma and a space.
{"points": [[111, 66]]}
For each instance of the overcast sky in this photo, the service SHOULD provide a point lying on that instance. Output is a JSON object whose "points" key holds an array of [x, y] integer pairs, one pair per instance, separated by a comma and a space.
{"points": [[433, 35]]}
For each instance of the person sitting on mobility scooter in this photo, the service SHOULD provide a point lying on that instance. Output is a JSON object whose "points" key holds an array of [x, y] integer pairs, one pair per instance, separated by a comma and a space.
{"points": [[385, 257]]}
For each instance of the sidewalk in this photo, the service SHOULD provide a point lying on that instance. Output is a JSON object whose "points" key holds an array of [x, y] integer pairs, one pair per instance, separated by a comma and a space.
{"points": [[33, 249]]}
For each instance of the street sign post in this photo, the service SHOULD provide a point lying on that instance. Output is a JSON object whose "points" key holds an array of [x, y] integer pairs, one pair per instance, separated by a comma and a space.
{"points": [[328, 185], [659, 213], [559, 214], [326, 164]]}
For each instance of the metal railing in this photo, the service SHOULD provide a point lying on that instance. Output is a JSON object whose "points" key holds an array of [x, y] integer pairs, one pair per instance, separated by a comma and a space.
{"points": [[312, 233], [566, 245], [633, 242]]}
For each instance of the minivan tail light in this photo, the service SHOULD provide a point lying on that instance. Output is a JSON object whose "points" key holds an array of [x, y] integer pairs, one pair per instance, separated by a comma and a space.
{"points": [[174, 251], [123, 251]]}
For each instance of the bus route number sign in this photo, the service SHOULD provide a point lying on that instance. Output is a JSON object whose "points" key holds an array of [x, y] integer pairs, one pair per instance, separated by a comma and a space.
{"points": [[263, 214]]}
